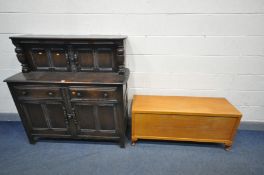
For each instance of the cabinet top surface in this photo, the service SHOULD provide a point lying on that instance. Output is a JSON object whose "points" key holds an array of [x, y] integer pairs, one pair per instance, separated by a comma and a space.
{"points": [[70, 77], [206, 106], [68, 37]]}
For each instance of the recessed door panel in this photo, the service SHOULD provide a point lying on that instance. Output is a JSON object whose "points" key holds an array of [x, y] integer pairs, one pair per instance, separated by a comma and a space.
{"points": [[107, 116], [35, 114], [59, 58], [105, 60], [39, 58], [85, 116], [56, 115], [96, 118], [45, 117], [84, 59]]}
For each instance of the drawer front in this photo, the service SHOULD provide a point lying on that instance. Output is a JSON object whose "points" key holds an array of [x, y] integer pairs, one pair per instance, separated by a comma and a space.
{"points": [[93, 93], [37, 92], [183, 127]]}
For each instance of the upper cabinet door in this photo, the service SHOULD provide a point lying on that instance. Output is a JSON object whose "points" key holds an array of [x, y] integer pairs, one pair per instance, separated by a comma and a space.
{"points": [[84, 58], [48, 57], [95, 58], [105, 58], [59, 58], [39, 58]]}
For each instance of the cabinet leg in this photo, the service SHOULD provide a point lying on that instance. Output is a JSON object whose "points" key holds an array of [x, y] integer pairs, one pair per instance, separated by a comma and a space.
{"points": [[133, 141], [122, 143], [228, 147], [31, 140]]}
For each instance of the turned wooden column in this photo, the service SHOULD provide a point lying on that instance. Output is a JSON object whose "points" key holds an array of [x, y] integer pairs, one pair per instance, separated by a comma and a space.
{"points": [[21, 57]]}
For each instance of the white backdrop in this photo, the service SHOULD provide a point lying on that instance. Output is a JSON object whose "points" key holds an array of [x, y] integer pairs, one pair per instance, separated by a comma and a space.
{"points": [[174, 47]]}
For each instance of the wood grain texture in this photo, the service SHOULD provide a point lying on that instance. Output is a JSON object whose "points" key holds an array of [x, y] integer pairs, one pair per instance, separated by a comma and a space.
{"points": [[71, 37], [184, 105], [200, 119], [70, 77], [61, 101]]}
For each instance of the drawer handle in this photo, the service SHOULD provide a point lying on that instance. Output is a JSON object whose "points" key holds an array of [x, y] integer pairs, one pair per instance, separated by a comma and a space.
{"points": [[105, 94], [24, 92], [78, 94], [50, 93]]}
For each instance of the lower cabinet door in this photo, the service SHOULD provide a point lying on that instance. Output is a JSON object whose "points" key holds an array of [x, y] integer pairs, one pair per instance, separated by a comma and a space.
{"points": [[96, 119], [45, 117]]}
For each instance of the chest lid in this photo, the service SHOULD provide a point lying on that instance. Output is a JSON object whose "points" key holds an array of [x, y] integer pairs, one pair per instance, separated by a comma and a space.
{"points": [[197, 106]]}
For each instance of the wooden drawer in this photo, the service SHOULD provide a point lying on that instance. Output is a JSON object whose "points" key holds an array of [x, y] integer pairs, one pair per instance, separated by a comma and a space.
{"points": [[37, 92], [93, 93], [184, 127]]}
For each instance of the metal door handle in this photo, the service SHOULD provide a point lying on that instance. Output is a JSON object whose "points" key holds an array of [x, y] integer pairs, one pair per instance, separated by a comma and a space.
{"points": [[105, 94], [79, 94], [24, 92]]}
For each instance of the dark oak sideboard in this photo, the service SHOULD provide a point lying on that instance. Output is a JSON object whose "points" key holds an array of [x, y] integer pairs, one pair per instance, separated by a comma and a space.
{"points": [[71, 87]]}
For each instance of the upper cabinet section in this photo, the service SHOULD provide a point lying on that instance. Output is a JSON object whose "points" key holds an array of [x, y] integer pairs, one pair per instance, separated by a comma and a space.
{"points": [[70, 53]]}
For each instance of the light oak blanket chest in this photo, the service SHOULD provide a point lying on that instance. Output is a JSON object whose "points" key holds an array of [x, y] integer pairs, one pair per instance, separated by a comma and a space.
{"points": [[200, 119]]}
